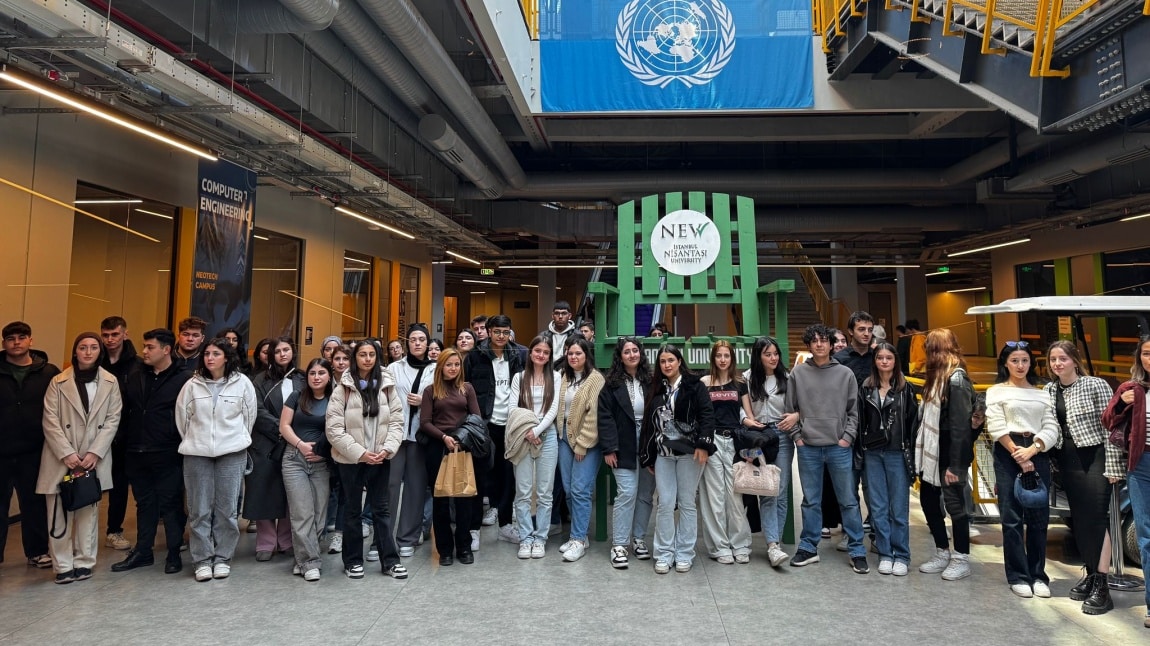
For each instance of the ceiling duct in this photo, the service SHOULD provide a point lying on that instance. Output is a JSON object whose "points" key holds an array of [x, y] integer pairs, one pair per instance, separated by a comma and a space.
{"points": [[436, 131], [1116, 151], [283, 16], [410, 33]]}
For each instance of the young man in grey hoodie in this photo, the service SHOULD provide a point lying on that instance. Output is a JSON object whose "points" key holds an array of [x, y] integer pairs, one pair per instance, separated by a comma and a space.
{"points": [[822, 405], [559, 330]]}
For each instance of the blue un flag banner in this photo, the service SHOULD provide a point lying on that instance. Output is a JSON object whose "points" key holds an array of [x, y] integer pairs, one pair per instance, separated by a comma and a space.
{"points": [[693, 55]]}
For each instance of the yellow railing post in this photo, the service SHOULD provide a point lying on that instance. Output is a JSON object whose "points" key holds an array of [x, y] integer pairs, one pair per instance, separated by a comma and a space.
{"points": [[1146, 9], [947, 14], [1048, 49], [1043, 16], [914, 14], [986, 48]]}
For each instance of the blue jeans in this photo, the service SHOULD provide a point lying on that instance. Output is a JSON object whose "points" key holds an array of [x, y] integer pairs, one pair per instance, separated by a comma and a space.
{"points": [[1024, 557], [773, 510], [888, 494], [579, 483], [677, 481], [632, 509], [839, 462], [536, 475], [1138, 481]]}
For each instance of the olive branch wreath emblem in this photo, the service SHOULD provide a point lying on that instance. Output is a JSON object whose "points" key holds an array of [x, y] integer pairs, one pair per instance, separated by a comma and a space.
{"points": [[639, 69]]}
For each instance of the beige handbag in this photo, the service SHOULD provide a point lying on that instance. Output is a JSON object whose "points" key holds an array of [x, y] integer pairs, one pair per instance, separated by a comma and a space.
{"points": [[750, 479]]}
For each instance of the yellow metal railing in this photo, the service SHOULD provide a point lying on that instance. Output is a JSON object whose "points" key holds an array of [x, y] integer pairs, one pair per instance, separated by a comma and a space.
{"points": [[531, 16], [831, 311], [1044, 18]]}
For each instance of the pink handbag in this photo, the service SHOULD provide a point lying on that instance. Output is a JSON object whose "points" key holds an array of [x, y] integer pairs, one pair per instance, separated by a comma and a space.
{"points": [[750, 479]]}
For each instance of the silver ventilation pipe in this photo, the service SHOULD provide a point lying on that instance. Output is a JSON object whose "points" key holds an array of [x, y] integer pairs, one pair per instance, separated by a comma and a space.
{"points": [[1116, 151], [285, 16], [435, 131], [407, 29]]}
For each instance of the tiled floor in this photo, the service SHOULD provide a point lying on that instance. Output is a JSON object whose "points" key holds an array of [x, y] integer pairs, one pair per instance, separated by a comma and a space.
{"points": [[501, 599]]}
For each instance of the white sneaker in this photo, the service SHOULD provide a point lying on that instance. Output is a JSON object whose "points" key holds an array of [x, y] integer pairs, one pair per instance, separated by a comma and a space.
{"points": [[776, 555], [475, 540], [844, 545], [525, 549], [295, 569], [203, 573], [639, 549], [406, 551], [311, 575], [899, 569], [220, 571], [372, 555], [619, 557], [958, 568], [538, 550], [117, 541], [576, 551], [366, 529], [566, 546], [1023, 590], [508, 533], [682, 567], [1041, 590], [725, 559], [335, 545], [662, 567], [885, 566], [490, 517], [937, 563], [742, 559]]}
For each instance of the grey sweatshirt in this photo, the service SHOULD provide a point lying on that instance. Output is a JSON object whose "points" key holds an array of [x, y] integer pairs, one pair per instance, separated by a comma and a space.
{"points": [[826, 399]]}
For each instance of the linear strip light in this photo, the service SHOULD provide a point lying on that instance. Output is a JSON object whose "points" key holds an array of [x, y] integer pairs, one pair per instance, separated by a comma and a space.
{"points": [[166, 217], [989, 247], [528, 285], [1135, 217], [362, 262], [122, 200], [462, 257], [966, 289], [442, 262], [936, 273], [71, 207], [46, 285], [480, 282], [84, 106], [321, 305], [102, 300], [784, 266], [373, 222]]}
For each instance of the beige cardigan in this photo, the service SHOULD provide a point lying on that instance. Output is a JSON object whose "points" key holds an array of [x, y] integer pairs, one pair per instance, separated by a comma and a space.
{"points": [[68, 430], [583, 422]]}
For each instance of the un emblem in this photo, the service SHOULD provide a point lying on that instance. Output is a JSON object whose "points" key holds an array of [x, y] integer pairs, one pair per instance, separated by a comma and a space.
{"points": [[663, 41]]}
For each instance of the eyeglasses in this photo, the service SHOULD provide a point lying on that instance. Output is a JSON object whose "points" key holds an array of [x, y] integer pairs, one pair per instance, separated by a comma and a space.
{"points": [[1022, 345], [499, 332]]}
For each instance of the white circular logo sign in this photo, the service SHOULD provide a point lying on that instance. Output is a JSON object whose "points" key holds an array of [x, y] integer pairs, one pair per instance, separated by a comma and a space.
{"points": [[663, 41], [685, 242]]}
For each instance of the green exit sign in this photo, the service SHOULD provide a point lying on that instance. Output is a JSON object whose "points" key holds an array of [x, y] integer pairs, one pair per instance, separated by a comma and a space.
{"points": [[944, 270], [486, 272]]}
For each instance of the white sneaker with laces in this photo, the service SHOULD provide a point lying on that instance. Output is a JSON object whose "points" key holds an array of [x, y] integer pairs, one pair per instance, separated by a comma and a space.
{"points": [[490, 517], [576, 551], [776, 555], [844, 545], [566, 546], [203, 573], [937, 563], [662, 567], [619, 557], [508, 533], [538, 550], [899, 569], [639, 549], [1022, 590], [372, 555], [886, 566], [406, 551], [475, 540], [335, 545], [725, 559], [220, 571], [682, 567], [958, 568], [117, 541], [311, 575], [1041, 590], [525, 549]]}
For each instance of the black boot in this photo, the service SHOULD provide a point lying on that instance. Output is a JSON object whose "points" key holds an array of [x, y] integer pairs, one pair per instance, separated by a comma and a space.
{"points": [[1082, 589], [1099, 601]]}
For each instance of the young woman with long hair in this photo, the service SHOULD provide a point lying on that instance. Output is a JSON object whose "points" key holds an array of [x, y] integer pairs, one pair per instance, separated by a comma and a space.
{"points": [[445, 405], [767, 387], [81, 415], [465, 342], [412, 374], [622, 403], [341, 357], [726, 532], [1128, 408], [536, 389], [680, 402], [944, 450], [886, 439], [233, 336], [1020, 419], [1088, 466], [579, 452], [305, 466], [215, 413], [261, 357], [365, 426], [265, 498]]}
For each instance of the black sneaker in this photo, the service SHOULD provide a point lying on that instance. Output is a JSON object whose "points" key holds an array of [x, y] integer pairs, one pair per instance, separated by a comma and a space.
{"points": [[65, 577], [859, 565], [396, 571], [803, 557], [82, 573]]}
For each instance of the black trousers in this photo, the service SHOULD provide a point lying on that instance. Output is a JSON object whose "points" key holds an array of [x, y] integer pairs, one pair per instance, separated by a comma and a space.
{"points": [[1088, 492], [449, 541], [118, 494], [19, 473], [953, 498], [501, 480], [374, 478], [157, 479]]}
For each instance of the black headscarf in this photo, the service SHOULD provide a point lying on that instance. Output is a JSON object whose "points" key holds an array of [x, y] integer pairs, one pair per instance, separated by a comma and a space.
{"points": [[84, 377], [412, 360]]}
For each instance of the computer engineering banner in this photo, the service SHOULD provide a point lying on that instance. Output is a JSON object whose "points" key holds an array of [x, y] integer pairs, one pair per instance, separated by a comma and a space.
{"points": [[694, 55]]}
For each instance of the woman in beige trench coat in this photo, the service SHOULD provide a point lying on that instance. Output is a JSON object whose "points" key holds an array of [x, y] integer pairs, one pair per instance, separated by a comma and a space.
{"points": [[81, 415]]}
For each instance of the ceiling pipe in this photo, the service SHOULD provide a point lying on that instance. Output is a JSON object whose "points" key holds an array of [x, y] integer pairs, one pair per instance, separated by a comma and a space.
{"points": [[435, 130], [407, 29], [284, 16], [1115, 151]]}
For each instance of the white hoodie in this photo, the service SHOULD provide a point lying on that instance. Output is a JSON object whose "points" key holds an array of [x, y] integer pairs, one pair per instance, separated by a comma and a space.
{"points": [[212, 425]]}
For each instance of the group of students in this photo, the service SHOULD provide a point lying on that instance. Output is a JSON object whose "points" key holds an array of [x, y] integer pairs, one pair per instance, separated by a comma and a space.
{"points": [[360, 418]]}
